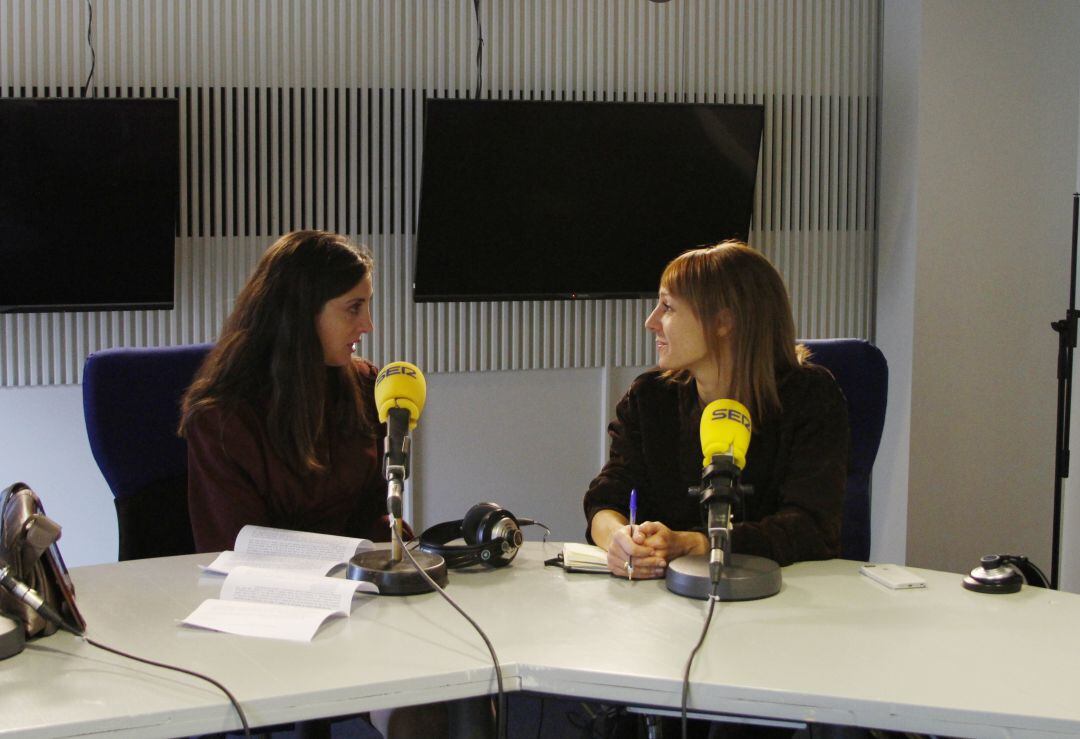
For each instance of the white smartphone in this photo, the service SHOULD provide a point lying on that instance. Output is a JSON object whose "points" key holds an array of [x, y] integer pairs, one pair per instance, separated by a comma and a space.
{"points": [[894, 577]]}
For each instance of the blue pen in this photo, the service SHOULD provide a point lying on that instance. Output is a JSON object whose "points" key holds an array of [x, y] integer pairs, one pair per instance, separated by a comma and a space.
{"points": [[633, 522]]}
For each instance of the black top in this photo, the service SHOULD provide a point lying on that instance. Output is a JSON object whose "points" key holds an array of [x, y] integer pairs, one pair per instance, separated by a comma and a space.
{"points": [[796, 463]]}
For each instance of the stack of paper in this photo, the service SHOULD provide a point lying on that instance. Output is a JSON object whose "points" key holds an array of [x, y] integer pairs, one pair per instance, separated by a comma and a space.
{"points": [[276, 584], [281, 549]]}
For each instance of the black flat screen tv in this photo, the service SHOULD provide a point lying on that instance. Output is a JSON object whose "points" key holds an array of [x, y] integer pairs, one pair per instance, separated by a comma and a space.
{"points": [[524, 200], [89, 190]]}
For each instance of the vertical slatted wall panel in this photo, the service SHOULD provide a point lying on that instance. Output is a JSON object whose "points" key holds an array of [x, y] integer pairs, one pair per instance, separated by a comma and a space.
{"points": [[308, 113]]}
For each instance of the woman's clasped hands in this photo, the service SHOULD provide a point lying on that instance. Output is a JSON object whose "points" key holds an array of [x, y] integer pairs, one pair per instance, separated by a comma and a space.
{"points": [[648, 547]]}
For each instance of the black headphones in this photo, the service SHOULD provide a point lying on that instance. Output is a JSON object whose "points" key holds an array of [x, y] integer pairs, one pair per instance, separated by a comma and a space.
{"points": [[1004, 573], [492, 536]]}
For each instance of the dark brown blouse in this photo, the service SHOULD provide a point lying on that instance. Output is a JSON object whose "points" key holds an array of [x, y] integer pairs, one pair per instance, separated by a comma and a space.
{"points": [[796, 463], [236, 478]]}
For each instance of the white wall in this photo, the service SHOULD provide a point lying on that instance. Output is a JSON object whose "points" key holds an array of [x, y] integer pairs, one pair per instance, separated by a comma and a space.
{"points": [[897, 218], [530, 441], [43, 443], [979, 152]]}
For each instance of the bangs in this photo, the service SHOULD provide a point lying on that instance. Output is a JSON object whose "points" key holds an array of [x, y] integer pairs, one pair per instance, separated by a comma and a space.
{"points": [[686, 276]]}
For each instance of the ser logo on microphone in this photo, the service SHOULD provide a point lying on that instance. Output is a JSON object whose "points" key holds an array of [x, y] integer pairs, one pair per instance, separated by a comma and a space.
{"points": [[726, 414], [395, 370]]}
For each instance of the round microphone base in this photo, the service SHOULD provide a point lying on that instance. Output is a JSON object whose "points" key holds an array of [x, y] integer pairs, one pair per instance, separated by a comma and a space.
{"points": [[397, 578], [12, 637], [746, 577]]}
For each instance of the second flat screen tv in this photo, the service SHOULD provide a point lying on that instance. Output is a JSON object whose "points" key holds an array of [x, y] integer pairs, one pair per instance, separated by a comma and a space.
{"points": [[557, 200]]}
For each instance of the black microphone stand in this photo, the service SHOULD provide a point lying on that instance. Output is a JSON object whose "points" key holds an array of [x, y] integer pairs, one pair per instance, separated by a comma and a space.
{"points": [[721, 575], [1066, 330], [393, 574]]}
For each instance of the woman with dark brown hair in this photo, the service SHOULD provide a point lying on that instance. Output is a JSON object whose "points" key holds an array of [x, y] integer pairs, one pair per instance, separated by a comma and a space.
{"points": [[282, 428], [280, 420], [724, 329]]}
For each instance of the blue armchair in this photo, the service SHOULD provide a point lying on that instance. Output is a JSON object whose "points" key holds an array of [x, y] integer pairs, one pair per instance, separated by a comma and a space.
{"points": [[131, 405], [863, 375]]}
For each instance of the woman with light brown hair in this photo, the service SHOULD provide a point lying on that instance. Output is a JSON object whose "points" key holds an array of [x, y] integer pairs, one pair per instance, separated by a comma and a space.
{"points": [[724, 329]]}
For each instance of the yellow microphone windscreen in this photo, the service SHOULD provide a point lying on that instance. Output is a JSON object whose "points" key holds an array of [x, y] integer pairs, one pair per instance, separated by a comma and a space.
{"points": [[400, 385], [725, 429]]}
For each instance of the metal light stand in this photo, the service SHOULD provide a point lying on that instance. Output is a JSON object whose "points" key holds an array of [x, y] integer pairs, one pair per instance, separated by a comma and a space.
{"points": [[1066, 330]]}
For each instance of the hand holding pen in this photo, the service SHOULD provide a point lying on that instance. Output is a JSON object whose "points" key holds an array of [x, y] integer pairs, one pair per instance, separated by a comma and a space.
{"points": [[633, 523]]}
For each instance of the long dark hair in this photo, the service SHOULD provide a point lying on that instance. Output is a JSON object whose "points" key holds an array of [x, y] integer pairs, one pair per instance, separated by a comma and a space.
{"points": [[735, 278], [269, 354]]}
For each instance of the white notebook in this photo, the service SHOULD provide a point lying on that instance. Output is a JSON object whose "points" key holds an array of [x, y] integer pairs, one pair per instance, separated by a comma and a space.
{"points": [[583, 558]]}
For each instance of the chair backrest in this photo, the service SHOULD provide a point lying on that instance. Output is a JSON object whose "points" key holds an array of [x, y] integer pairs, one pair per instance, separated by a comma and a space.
{"points": [[863, 375], [131, 404]]}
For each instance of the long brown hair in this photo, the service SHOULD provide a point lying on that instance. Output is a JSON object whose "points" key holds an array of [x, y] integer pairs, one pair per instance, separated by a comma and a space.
{"points": [[733, 277], [269, 353]]}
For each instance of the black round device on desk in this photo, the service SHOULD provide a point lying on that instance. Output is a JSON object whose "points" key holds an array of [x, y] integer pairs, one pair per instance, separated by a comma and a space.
{"points": [[397, 577], [1004, 573], [12, 637], [492, 537]]}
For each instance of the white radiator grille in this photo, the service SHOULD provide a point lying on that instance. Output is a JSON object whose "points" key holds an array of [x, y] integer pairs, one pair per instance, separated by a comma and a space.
{"points": [[307, 113]]}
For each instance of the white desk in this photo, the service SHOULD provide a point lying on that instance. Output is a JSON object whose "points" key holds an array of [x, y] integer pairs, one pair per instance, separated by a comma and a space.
{"points": [[832, 647]]}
